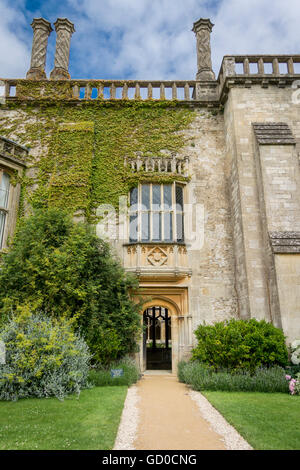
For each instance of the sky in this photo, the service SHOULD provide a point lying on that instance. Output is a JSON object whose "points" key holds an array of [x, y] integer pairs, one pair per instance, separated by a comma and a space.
{"points": [[147, 39]]}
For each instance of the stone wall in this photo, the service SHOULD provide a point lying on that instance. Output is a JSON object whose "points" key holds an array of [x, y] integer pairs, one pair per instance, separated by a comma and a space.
{"points": [[247, 189], [266, 194], [89, 139], [212, 291]]}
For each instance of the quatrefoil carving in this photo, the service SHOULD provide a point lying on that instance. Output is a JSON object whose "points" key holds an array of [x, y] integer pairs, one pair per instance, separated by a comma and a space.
{"points": [[157, 256]]}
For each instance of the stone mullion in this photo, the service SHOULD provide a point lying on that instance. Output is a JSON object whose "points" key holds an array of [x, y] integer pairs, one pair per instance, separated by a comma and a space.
{"points": [[150, 214], [174, 229], [162, 202]]}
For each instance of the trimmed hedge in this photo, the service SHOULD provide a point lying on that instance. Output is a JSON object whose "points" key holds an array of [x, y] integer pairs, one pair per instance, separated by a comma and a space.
{"points": [[202, 377], [240, 345]]}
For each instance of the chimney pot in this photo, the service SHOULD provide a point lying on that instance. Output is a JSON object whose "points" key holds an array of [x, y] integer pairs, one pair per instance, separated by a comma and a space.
{"points": [[64, 30], [41, 30], [202, 29]]}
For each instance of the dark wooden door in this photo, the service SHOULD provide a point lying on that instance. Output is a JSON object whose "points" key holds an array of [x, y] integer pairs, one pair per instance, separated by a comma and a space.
{"points": [[158, 331]]}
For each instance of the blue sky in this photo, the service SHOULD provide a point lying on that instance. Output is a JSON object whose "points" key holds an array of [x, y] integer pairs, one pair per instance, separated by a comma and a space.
{"points": [[147, 39]]}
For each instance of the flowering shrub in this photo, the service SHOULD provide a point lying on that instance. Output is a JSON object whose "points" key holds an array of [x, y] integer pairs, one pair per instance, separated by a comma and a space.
{"points": [[44, 357], [294, 384], [295, 347]]}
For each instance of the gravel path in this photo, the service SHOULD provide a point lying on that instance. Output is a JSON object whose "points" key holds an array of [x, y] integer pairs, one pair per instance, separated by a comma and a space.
{"points": [[129, 421], [138, 423], [233, 440]]}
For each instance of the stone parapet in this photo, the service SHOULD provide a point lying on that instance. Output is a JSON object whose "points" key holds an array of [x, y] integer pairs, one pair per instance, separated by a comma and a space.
{"points": [[12, 151], [207, 92], [173, 164], [157, 260], [265, 70], [142, 90]]}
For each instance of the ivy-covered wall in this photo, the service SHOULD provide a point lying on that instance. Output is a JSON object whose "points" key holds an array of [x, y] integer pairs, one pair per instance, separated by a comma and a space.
{"points": [[77, 149], [76, 161]]}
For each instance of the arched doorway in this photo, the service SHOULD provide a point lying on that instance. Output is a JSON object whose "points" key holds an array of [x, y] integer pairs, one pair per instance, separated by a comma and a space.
{"points": [[157, 344], [176, 302]]}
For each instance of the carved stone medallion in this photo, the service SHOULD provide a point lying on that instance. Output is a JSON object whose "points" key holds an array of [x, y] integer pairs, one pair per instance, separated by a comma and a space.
{"points": [[157, 256]]}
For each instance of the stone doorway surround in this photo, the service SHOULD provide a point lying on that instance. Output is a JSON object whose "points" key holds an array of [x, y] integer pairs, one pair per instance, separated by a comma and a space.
{"points": [[175, 299]]}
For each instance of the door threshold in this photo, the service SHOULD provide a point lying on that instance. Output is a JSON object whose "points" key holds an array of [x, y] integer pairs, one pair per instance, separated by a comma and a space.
{"points": [[157, 372]]}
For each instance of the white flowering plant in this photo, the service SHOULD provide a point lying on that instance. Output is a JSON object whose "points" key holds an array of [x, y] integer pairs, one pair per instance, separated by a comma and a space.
{"points": [[295, 348]]}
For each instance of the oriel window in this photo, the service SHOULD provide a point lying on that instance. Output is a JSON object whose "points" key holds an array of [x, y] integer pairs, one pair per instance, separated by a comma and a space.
{"points": [[157, 213]]}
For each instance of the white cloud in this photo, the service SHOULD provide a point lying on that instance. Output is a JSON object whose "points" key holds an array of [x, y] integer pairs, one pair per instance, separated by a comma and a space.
{"points": [[14, 44], [255, 27], [157, 41], [150, 39]]}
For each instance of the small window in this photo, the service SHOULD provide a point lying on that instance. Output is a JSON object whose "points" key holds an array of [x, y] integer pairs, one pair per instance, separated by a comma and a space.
{"points": [[4, 197], [156, 213]]}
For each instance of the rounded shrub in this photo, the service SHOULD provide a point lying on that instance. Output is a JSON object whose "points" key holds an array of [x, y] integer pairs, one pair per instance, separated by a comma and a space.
{"points": [[44, 357], [240, 344]]}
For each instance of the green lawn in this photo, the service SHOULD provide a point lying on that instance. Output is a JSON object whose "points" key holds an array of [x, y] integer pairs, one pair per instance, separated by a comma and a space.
{"points": [[90, 422], [268, 421]]}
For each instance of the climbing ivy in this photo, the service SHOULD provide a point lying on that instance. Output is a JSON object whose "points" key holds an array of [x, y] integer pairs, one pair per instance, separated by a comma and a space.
{"points": [[65, 177], [84, 143], [50, 90]]}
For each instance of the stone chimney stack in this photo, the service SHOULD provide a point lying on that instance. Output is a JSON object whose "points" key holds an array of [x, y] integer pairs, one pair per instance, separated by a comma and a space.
{"points": [[64, 30], [41, 30], [202, 28]]}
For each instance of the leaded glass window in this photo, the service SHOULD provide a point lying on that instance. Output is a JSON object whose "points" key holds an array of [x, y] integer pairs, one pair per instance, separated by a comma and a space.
{"points": [[4, 195], [156, 213]]}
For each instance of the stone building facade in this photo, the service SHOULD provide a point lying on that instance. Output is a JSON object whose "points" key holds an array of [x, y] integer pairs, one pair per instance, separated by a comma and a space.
{"points": [[212, 228]]}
